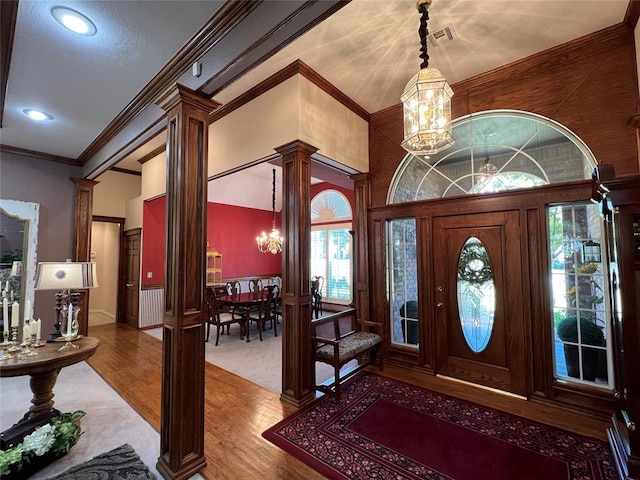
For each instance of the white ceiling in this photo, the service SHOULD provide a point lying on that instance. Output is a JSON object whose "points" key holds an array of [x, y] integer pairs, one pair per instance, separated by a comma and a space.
{"points": [[368, 50]]}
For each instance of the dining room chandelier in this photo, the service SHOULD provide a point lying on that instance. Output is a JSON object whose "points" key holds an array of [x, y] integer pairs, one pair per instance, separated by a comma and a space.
{"points": [[271, 243], [426, 101]]}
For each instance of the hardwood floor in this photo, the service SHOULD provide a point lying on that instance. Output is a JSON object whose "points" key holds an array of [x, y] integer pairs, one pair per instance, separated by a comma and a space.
{"points": [[238, 411]]}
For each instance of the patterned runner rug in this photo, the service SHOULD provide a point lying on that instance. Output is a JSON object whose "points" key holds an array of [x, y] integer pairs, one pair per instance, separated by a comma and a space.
{"points": [[385, 429]]}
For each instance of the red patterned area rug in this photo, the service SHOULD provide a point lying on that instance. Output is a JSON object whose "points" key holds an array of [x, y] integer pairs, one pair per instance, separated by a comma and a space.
{"points": [[386, 429]]}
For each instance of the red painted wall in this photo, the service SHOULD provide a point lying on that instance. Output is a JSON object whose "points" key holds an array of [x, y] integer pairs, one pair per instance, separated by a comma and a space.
{"points": [[153, 228], [230, 230]]}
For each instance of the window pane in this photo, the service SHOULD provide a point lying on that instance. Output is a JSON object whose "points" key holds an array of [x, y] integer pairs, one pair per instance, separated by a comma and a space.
{"points": [[579, 298], [403, 281], [476, 295]]}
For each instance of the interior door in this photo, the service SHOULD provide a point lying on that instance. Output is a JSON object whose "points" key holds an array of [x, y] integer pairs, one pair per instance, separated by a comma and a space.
{"points": [[131, 287], [480, 334]]}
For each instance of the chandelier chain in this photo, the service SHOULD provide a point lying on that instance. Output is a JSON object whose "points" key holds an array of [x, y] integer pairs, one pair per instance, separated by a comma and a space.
{"points": [[423, 31], [273, 200]]}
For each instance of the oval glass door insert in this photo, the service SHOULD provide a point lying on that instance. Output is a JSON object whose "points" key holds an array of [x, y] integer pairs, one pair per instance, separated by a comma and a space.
{"points": [[476, 294]]}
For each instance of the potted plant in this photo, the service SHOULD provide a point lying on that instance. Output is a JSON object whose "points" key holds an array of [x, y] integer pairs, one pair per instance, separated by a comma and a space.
{"points": [[590, 334], [42, 446], [409, 314]]}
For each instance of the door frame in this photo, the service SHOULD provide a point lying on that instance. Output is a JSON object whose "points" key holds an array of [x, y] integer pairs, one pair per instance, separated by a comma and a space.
{"points": [[501, 364], [531, 204], [120, 221]]}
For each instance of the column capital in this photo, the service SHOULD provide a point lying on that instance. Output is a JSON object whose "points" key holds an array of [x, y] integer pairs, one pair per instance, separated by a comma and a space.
{"points": [[177, 94], [296, 146]]}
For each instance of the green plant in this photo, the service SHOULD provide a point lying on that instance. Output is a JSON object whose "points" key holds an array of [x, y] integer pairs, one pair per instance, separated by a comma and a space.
{"points": [[56, 437], [590, 333], [409, 309]]}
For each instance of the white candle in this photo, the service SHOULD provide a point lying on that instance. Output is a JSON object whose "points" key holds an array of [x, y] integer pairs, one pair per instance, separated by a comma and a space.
{"points": [[27, 310], [69, 319], [26, 331], [33, 327], [6, 285], [15, 314], [38, 330], [5, 314]]}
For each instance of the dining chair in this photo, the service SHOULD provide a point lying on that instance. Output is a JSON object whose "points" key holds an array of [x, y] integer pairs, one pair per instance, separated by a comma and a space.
{"points": [[234, 288], [255, 285], [215, 316], [277, 303], [264, 313]]}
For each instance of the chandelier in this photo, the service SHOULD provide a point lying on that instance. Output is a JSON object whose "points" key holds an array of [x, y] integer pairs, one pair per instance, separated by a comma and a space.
{"points": [[271, 243], [426, 101]]}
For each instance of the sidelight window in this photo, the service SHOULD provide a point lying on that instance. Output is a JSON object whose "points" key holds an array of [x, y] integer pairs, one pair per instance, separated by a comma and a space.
{"points": [[581, 333], [402, 274]]}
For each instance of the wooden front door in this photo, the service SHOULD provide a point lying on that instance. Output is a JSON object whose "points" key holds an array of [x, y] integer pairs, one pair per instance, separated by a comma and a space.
{"points": [[468, 347], [131, 288]]}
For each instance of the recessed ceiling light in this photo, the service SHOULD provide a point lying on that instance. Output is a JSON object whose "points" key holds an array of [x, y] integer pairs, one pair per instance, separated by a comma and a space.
{"points": [[74, 21], [37, 115]]}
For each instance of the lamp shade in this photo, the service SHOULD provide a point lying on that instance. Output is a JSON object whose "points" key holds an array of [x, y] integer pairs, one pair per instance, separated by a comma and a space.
{"points": [[16, 268], [66, 275]]}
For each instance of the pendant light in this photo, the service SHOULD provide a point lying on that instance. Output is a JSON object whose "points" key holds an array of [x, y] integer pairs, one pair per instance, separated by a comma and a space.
{"points": [[426, 102], [271, 243]]}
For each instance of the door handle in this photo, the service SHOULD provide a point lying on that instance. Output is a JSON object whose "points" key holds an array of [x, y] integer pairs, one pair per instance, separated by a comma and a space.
{"points": [[440, 305], [129, 284]]}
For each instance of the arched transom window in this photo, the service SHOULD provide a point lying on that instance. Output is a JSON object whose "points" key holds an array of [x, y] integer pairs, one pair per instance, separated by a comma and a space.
{"points": [[331, 245], [494, 150]]}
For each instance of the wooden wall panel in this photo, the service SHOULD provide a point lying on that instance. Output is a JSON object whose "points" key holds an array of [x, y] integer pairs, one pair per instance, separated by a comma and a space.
{"points": [[589, 85]]}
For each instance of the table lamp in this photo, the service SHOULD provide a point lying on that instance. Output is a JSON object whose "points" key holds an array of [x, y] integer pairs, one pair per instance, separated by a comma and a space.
{"points": [[65, 277]]}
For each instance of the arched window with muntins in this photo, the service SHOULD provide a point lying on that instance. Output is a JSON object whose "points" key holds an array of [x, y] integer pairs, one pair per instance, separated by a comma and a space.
{"points": [[494, 150], [331, 245]]}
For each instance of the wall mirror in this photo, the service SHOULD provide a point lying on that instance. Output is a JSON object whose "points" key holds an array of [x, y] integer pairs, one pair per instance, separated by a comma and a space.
{"points": [[18, 243]]}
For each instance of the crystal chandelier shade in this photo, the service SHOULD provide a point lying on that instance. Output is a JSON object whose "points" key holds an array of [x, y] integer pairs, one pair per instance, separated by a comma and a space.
{"points": [[271, 243], [426, 102]]}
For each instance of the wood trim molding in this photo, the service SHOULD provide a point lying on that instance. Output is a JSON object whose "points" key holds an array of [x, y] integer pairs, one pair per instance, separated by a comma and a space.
{"points": [[634, 121], [152, 286], [152, 154], [8, 15], [39, 155], [632, 14], [309, 3], [295, 68], [125, 170], [529, 64], [100, 218], [126, 149], [223, 22]]}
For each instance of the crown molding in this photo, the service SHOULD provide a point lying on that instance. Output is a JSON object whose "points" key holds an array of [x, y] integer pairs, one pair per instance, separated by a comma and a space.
{"points": [[125, 170], [39, 155], [8, 15], [152, 154], [295, 68], [632, 14], [222, 23]]}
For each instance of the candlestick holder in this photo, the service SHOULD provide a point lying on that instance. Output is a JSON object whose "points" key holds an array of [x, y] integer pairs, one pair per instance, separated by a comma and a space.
{"points": [[26, 351], [35, 342], [5, 355], [13, 344]]}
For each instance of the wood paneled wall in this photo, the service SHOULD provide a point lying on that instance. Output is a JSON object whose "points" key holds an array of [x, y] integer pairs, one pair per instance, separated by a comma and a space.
{"points": [[588, 85]]}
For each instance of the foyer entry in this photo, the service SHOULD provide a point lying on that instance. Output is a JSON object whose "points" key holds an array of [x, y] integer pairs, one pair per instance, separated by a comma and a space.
{"points": [[478, 300]]}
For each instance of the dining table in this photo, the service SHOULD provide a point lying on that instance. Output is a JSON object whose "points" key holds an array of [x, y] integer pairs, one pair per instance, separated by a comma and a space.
{"points": [[243, 302]]}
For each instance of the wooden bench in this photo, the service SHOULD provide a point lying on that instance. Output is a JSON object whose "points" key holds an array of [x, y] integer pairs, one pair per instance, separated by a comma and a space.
{"points": [[337, 341]]}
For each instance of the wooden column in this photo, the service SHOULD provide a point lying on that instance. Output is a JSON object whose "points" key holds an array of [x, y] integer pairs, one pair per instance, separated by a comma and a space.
{"points": [[82, 218], [182, 410], [361, 190], [298, 370]]}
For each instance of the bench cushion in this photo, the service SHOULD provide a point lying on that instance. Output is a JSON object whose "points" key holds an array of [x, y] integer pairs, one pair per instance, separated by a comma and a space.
{"points": [[349, 346]]}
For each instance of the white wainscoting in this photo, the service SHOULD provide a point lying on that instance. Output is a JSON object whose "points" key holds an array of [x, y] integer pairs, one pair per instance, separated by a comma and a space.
{"points": [[151, 310]]}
